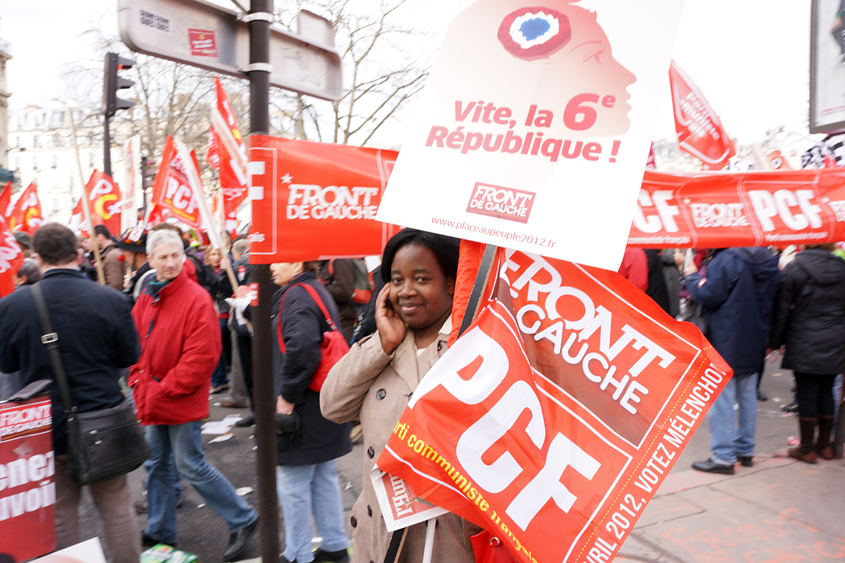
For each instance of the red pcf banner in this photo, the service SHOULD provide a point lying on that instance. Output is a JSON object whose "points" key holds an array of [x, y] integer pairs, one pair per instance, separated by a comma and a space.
{"points": [[11, 258], [747, 209], [315, 200], [27, 215], [172, 191], [700, 132], [559, 412], [27, 487], [103, 203]]}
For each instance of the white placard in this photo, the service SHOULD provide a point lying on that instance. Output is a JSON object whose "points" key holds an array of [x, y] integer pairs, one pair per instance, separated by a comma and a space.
{"points": [[534, 130], [89, 551], [400, 506]]}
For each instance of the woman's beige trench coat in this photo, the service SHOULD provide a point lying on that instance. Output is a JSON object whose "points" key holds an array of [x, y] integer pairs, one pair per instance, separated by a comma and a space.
{"points": [[375, 388]]}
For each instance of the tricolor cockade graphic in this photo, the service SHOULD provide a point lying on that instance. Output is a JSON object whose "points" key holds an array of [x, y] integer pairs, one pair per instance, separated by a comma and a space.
{"points": [[534, 33]]}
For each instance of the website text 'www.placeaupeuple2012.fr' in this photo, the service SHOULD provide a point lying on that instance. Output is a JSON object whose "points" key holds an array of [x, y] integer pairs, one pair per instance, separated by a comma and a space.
{"points": [[497, 233]]}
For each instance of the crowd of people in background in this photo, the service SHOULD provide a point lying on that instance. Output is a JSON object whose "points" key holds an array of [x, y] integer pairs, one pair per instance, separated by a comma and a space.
{"points": [[181, 323], [754, 304]]}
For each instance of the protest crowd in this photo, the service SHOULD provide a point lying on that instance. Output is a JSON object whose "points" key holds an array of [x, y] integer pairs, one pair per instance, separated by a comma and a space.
{"points": [[165, 342], [131, 333]]}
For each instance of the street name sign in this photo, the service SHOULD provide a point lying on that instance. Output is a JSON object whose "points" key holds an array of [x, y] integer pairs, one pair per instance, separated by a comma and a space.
{"points": [[207, 36]]}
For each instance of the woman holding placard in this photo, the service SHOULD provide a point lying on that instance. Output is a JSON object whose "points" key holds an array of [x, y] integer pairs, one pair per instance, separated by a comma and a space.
{"points": [[375, 380]]}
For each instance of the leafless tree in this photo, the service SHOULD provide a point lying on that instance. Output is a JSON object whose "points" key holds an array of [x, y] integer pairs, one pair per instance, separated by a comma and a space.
{"points": [[385, 64]]}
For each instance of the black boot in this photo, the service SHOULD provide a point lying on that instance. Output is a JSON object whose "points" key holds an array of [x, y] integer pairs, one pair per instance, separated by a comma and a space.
{"points": [[823, 447], [806, 452]]}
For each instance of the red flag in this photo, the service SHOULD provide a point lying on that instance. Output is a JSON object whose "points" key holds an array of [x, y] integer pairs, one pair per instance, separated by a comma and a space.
{"points": [[27, 215], [103, 202], [11, 257], [78, 224], [172, 191], [6, 206], [231, 166], [319, 200], [700, 133], [547, 416]]}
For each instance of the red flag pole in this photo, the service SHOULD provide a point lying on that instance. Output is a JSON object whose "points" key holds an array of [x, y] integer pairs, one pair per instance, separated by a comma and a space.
{"points": [[86, 207]]}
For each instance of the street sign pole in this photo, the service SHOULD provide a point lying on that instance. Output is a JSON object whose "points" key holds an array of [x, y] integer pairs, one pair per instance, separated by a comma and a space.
{"points": [[260, 16], [206, 35]]}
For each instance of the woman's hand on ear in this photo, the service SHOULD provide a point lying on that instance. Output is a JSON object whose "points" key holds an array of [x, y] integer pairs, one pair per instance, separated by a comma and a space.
{"points": [[391, 328]]}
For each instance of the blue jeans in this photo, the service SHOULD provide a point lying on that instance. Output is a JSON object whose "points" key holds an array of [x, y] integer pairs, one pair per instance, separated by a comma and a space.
{"points": [[219, 376], [184, 442], [303, 490], [727, 440]]}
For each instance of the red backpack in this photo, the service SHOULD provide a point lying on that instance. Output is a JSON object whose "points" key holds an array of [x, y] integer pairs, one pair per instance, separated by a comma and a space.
{"points": [[332, 348]]}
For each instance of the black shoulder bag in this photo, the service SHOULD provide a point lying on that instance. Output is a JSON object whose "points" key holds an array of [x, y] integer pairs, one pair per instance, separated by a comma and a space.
{"points": [[102, 444]]}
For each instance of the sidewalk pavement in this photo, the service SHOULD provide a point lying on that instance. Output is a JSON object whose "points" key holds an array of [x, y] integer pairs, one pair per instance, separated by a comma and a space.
{"points": [[779, 511]]}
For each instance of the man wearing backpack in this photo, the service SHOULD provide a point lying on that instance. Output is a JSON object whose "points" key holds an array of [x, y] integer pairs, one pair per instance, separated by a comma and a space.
{"points": [[347, 282]]}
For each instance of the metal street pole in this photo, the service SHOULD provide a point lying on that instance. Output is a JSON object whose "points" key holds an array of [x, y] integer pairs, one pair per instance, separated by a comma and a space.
{"points": [[259, 18], [106, 148]]}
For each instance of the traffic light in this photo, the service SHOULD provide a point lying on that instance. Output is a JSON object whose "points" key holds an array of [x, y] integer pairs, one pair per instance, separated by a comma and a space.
{"points": [[112, 83], [148, 172]]}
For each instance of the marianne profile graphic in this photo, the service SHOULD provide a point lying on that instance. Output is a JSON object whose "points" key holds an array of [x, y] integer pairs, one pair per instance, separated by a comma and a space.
{"points": [[542, 54]]}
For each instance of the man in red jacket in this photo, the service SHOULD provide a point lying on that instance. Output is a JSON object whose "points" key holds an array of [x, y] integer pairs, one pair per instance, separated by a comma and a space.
{"points": [[180, 347]]}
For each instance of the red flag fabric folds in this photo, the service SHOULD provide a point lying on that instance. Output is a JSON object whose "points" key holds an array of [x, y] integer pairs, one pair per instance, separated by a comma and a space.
{"points": [[700, 133]]}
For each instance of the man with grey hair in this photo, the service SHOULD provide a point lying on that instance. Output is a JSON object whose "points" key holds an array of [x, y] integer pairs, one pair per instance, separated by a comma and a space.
{"points": [[180, 347]]}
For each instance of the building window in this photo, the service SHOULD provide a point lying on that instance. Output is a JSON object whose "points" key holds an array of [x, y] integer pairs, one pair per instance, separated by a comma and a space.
{"points": [[18, 142], [55, 163], [17, 164], [90, 160], [35, 163], [54, 142], [35, 143]]}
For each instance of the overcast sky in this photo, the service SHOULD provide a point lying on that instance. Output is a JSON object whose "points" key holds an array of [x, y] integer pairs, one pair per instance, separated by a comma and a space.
{"points": [[749, 57]]}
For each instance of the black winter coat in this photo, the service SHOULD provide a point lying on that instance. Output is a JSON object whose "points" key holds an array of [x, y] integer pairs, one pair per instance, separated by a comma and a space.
{"points": [[96, 338], [656, 280], [737, 295], [303, 325], [809, 317]]}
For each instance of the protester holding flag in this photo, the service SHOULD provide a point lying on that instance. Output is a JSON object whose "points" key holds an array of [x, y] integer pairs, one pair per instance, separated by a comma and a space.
{"points": [[134, 253], [809, 320], [306, 474], [375, 380], [111, 259]]}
